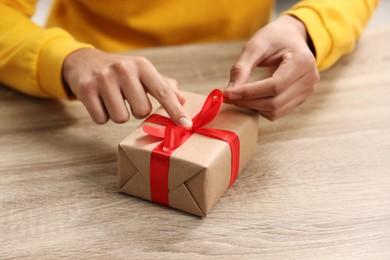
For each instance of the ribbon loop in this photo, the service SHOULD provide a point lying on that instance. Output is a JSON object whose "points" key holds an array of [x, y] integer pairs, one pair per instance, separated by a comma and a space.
{"points": [[210, 109], [173, 136]]}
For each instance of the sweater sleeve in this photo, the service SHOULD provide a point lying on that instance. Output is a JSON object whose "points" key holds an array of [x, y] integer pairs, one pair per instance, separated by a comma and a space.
{"points": [[31, 57], [333, 25]]}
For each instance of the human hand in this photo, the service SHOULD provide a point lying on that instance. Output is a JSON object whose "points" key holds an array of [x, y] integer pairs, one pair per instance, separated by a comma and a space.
{"points": [[282, 46], [102, 82]]}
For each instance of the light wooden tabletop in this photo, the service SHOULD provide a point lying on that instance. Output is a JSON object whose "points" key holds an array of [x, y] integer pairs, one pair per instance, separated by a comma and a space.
{"points": [[318, 187]]}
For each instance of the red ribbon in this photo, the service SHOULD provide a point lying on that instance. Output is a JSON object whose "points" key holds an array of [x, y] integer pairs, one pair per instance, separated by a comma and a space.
{"points": [[174, 136]]}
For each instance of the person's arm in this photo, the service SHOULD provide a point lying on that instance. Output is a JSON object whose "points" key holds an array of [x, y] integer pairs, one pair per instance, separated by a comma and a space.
{"points": [[332, 26], [42, 62], [30, 57]]}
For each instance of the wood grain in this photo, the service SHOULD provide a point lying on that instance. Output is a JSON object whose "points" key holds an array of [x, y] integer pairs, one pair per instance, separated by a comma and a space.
{"points": [[318, 187]]}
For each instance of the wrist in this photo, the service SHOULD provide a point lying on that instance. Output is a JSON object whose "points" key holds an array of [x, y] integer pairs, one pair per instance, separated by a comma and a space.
{"points": [[300, 28], [296, 25]]}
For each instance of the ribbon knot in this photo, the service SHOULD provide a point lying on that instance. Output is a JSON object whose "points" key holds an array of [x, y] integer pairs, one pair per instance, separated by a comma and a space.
{"points": [[174, 136]]}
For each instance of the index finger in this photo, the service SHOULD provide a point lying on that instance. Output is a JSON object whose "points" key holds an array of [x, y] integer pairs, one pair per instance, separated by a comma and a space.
{"points": [[165, 95]]}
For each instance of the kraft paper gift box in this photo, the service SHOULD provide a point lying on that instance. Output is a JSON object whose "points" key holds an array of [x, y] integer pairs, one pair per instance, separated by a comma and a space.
{"points": [[199, 170]]}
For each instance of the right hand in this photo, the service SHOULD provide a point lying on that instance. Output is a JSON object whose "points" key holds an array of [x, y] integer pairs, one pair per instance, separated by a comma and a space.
{"points": [[281, 46], [102, 82]]}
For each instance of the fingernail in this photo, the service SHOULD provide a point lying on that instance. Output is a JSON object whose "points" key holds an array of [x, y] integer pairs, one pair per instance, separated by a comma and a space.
{"points": [[183, 121], [233, 96]]}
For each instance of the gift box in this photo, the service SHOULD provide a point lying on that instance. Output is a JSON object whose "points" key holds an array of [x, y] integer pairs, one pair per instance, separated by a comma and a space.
{"points": [[188, 169]]}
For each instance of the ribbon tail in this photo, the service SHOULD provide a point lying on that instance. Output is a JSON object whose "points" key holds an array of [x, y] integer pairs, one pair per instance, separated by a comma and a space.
{"points": [[234, 142], [159, 171], [154, 131]]}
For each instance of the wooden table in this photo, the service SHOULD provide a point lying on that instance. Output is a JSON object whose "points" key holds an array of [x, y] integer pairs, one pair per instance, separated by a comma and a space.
{"points": [[318, 187]]}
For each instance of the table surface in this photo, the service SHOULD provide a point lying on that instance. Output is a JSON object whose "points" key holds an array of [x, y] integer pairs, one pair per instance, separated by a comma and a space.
{"points": [[318, 186]]}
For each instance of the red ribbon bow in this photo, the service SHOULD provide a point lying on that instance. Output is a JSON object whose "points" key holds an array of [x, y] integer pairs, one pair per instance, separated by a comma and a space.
{"points": [[174, 136]]}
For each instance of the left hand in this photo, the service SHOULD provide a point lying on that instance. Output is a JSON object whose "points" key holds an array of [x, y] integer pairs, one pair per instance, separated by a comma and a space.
{"points": [[282, 46]]}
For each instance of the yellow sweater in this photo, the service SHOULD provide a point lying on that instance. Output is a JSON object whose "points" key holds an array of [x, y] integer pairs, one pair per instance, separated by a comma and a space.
{"points": [[31, 57]]}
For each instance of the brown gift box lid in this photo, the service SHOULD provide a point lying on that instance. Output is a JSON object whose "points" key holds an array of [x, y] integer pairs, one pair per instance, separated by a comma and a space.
{"points": [[199, 170]]}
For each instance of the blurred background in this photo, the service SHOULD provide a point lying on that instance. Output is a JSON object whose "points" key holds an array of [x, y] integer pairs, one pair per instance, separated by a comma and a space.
{"points": [[381, 16]]}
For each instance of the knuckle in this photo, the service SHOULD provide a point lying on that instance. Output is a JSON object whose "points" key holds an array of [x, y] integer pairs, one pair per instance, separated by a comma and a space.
{"points": [[274, 90], [142, 61], [163, 92], [120, 118], [246, 92], [272, 117], [86, 88], [274, 104], [288, 56], [120, 66], [142, 112], [101, 79], [100, 119], [236, 69], [103, 74], [276, 87]]}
